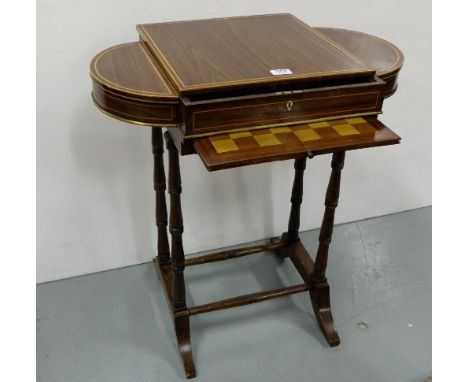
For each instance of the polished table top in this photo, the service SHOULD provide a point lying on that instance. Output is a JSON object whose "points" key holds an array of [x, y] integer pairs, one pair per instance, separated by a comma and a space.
{"points": [[177, 64], [248, 51], [251, 89]]}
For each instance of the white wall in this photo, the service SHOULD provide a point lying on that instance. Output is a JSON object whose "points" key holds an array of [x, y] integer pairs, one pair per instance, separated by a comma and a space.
{"points": [[94, 190]]}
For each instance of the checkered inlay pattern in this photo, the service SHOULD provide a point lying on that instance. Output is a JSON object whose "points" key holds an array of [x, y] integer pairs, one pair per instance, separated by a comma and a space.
{"points": [[283, 135]]}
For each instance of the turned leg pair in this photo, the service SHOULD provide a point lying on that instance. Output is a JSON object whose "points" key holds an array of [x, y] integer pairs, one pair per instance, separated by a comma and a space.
{"points": [[171, 263], [313, 273]]}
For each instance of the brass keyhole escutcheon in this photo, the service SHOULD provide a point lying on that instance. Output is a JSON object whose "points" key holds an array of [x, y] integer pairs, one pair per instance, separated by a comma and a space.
{"points": [[289, 105]]}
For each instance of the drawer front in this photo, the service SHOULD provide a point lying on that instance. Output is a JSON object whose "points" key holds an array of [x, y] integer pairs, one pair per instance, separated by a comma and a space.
{"points": [[279, 109]]}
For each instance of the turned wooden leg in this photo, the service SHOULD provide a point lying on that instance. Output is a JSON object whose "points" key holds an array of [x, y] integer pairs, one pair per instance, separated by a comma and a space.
{"points": [[320, 290], [296, 199], [159, 181], [295, 213], [331, 202], [176, 228]]}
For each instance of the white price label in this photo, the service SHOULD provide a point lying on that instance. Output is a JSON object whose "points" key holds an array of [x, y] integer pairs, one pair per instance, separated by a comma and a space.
{"points": [[280, 72]]}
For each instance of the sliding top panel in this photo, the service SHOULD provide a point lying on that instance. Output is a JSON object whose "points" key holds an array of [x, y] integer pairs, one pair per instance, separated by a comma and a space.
{"points": [[244, 52]]}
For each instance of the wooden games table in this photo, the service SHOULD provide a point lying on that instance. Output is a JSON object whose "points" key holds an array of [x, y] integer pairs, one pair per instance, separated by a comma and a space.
{"points": [[243, 91]]}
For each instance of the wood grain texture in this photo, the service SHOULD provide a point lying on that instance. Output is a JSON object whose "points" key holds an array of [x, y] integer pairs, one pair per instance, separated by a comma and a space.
{"points": [[288, 145], [379, 54], [320, 290], [326, 229], [208, 76], [234, 253], [382, 56], [219, 64], [137, 112], [159, 185], [226, 53], [246, 299], [176, 228], [128, 69], [296, 199], [128, 85], [210, 116]]}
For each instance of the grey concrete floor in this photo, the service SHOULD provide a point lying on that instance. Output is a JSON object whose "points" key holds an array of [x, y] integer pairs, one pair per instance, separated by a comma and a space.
{"points": [[115, 325]]}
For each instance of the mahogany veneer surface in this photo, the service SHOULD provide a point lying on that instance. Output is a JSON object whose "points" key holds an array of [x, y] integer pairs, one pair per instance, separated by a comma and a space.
{"points": [[279, 143], [220, 54], [209, 76], [129, 68], [380, 55], [128, 85]]}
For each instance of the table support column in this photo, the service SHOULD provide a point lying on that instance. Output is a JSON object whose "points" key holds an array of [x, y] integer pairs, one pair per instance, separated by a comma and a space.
{"points": [[176, 228], [159, 182], [292, 235], [296, 199], [320, 291]]}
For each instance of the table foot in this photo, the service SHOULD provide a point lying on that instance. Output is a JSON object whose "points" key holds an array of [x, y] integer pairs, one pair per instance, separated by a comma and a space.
{"points": [[282, 251], [182, 329], [320, 297]]}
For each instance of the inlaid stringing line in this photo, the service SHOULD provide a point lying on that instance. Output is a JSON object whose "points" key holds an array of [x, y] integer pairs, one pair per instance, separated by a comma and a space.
{"points": [[335, 44], [393, 47], [150, 59], [274, 103], [109, 82], [260, 79]]}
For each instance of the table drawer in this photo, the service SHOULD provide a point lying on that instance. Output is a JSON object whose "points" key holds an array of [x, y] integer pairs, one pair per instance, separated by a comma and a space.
{"points": [[207, 117]]}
